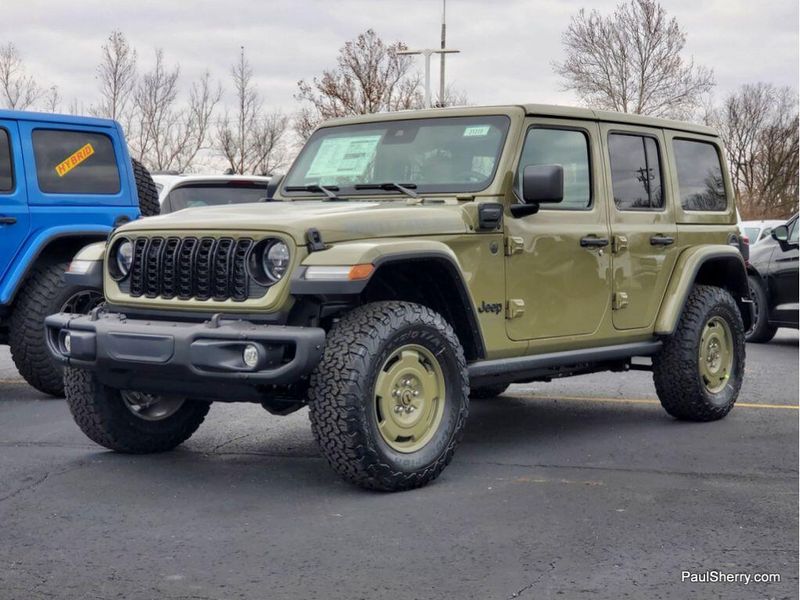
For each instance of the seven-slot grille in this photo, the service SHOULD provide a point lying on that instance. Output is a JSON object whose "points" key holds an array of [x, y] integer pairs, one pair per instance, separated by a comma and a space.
{"points": [[191, 268]]}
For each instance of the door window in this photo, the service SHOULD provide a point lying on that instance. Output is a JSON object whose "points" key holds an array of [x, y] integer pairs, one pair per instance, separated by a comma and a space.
{"points": [[635, 172], [568, 148], [6, 168], [75, 162], [700, 181]]}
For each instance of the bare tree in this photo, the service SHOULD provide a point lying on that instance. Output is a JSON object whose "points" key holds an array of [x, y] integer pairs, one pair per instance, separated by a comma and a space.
{"points": [[251, 139], [369, 77], [759, 125], [632, 61], [116, 74], [52, 99], [18, 89], [166, 136]]}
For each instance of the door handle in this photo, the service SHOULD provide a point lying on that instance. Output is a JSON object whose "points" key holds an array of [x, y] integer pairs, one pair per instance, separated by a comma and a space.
{"points": [[661, 240], [591, 241], [7, 220]]}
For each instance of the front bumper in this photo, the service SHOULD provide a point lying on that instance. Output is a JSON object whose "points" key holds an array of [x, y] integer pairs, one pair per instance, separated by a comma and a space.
{"points": [[199, 359]]}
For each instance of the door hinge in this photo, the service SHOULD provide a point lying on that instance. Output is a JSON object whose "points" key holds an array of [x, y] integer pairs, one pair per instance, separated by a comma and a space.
{"points": [[514, 245], [515, 308], [619, 243], [619, 301]]}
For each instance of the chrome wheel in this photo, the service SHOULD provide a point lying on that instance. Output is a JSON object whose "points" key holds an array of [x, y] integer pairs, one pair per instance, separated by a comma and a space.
{"points": [[151, 407], [409, 398], [716, 354]]}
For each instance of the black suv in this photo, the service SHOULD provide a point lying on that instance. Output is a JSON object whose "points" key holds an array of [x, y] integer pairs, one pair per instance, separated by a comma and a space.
{"points": [[773, 282]]}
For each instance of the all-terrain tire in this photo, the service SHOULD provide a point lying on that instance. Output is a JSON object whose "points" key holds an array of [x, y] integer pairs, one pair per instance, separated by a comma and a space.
{"points": [[342, 397], [44, 293], [761, 331], [488, 392], [676, 368], [146, 190], [102, 415]]}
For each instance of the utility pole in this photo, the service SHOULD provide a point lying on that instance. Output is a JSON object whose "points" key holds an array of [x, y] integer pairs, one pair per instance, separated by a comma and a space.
{"points": [[441, 57], [427, 52]]}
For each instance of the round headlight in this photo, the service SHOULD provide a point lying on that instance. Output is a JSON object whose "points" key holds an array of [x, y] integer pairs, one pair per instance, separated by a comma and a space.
{"points": [[275, 260], [124, 258]]}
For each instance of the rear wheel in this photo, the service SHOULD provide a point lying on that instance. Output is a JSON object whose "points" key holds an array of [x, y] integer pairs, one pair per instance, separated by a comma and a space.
{"points": [[698, 373], [44, 293], [389, 399], [130, 422], [761, 331]]}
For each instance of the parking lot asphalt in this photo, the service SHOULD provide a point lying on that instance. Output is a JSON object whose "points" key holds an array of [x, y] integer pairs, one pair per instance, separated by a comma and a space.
{"points": [[580, 488]]}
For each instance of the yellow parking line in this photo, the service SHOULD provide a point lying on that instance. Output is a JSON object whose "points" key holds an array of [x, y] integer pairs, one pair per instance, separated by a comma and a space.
{"points": [[641, 401]]}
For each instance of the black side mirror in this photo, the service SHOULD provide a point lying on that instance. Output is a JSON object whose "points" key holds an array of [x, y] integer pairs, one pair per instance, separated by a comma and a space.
{"points": [[542, 184], [781, 233]]}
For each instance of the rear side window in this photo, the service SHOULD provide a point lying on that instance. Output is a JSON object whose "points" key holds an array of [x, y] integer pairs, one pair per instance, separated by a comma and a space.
{"points": [[75, 162], [6, 170], [635, 172], [700, 180], [567, 148]]}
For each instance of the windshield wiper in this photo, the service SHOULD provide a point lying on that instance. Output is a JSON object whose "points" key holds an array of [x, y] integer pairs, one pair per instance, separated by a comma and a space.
{"points": [[406, 188], [328, 190]]}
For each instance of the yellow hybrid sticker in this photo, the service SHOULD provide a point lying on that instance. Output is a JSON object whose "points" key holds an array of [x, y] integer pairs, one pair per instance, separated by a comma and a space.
{"points": [[74, 160]]}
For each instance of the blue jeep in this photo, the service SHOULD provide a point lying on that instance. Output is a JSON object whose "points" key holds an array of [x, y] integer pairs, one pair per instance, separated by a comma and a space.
{"points": [[65, 182]]}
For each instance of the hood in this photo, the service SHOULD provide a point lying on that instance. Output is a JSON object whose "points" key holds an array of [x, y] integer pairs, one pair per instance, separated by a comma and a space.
{"points": [[337, 221]]}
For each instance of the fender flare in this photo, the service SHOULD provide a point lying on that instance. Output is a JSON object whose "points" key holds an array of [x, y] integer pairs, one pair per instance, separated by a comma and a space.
{"points": [[381, 254], [37, 246], [730, 274]]}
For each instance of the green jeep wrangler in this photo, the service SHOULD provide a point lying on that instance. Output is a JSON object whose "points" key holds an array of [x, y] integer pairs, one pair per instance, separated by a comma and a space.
{"points": [[411, 260]]}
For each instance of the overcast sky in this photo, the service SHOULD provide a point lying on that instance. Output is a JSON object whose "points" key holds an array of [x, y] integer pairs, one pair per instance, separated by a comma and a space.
{"points": [[507, 46]]}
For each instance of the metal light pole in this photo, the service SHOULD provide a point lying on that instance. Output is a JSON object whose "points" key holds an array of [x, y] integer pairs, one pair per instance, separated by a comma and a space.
{"points": [[427, 52], [441, 60]]}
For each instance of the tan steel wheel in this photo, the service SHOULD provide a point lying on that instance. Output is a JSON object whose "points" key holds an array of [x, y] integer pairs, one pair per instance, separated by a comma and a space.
{"points": [[409, 398], [716, 354]]}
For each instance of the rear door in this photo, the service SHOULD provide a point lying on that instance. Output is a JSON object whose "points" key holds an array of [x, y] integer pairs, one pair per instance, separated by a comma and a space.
{"points": [[643, 229], [14, 217]]}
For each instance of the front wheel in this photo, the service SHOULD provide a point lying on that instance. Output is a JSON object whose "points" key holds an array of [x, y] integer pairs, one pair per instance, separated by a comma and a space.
{"points": [[698, 373], [45, 292], [389, 399], [130, 422]]}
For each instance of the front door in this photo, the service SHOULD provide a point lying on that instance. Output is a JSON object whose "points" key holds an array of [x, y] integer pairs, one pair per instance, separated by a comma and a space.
{"points": [[557, 261], [784, 272], [14, 218], [644, 235]]}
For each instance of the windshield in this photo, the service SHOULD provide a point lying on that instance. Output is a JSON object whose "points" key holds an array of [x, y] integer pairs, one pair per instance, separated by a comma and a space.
{"points": [[444, 154], [752, 233], [213, 194]]}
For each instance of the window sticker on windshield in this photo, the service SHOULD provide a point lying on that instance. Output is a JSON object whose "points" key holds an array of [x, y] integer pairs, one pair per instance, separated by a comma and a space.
{"points": [[343, 156], [477, 131], [74, 160]]}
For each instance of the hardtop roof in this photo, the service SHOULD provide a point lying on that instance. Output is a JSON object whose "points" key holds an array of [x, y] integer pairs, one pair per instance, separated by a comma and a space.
{"points": [[540, 110], [23, 115]]}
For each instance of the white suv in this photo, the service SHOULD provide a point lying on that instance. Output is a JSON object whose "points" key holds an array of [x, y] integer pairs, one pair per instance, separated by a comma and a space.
{"points": [[176, 192]]}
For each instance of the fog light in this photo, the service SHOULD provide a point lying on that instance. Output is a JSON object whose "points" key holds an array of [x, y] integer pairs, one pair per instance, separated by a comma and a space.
{"points": [[250, 355], [67, 341]]}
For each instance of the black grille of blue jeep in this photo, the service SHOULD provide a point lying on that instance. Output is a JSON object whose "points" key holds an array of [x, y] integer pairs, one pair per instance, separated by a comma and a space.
{"points": [[191, 268]]}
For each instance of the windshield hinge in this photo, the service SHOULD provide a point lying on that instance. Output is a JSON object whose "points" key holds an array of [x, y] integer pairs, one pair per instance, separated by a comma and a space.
{"points": [[314, 240]]}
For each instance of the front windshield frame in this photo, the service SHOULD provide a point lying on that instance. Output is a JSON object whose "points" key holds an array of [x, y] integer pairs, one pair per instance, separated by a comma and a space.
{"points": [[503, 121]]}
